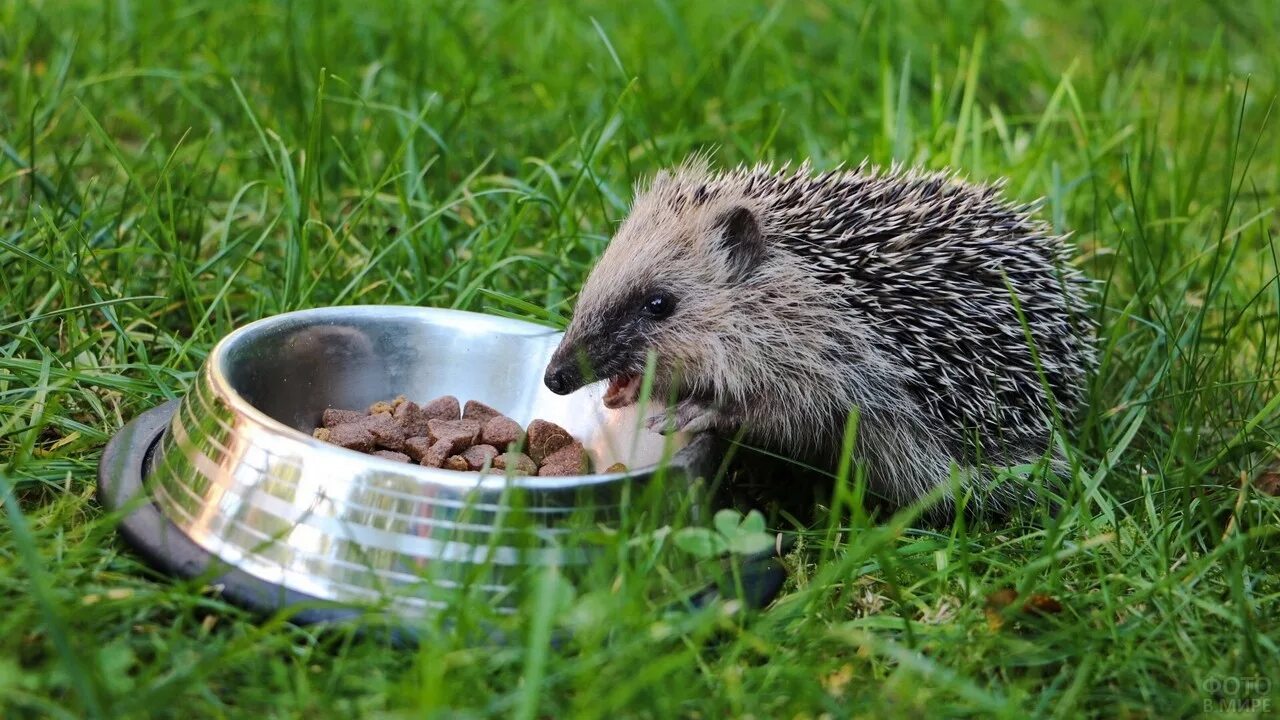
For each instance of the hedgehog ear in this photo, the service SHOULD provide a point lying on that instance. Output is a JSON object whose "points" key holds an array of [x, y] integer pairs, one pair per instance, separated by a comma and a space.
{"points": [[740, 238]]}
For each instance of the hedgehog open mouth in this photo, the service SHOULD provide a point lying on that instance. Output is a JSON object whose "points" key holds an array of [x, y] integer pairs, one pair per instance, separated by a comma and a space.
{"points": [[623, 390]]}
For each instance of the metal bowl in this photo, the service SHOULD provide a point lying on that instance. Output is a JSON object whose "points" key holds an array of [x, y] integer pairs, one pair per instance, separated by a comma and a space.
{"points": [[238, 488]]}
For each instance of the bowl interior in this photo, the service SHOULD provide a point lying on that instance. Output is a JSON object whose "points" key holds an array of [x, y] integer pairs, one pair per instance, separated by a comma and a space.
{"points": [[292, 367]]}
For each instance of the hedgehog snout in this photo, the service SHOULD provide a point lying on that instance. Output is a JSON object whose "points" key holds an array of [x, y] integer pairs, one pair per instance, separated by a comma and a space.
{"points": [[557, 380], [583, 359], [569, 365], [562, 377]]}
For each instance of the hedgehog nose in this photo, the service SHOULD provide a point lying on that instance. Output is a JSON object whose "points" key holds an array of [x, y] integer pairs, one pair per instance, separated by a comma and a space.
{"points": [[556, 380]]}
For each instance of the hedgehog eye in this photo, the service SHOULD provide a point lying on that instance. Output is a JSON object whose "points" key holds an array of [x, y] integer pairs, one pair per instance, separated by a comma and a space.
{"points": [[659, 305]]}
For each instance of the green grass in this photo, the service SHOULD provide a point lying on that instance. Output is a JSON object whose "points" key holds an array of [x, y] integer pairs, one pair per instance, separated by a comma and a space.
{"points": [[169, 171]]}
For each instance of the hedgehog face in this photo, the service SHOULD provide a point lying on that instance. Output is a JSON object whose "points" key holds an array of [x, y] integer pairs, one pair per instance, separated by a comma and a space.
{"points": [[665, 286], [615, 344]]}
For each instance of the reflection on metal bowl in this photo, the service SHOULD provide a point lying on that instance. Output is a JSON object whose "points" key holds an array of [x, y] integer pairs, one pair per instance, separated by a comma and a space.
{"points": [[234, 476]]}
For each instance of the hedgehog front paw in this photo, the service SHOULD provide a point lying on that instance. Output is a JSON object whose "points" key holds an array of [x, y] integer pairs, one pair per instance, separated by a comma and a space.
{"points": [[706, 420], [660, 423], [687, 416]]}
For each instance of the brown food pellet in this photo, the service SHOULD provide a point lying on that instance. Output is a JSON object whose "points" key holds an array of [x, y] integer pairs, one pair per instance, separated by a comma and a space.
{"points": [[544, 438], [437, 454], [334, 416], [417, 447], [382, 406], [443, 408], [461, 434], [568, 460], [501, 432], [441, 434], [477, 456], [519, 463], [424, 452], [412, 418], [615, 468], [479, 411], [352, 436], [387, 433]]}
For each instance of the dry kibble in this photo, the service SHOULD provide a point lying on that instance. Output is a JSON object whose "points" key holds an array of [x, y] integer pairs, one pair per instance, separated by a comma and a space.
{"points": [[461, 434], [438, 453], [334, 416], [554, 470], [424, 452], [519, 463], [616, 468], [412, 418], [382, 406], [387, 433], [568, 460], [417, 447], [479, 411], [545, 438], [353, 436], [443, 408], [501, 432], [441, 434], [477, 456]]}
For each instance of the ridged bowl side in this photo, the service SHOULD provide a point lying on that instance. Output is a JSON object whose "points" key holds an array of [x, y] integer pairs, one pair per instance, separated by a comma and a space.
{"points": [[237, 473]]}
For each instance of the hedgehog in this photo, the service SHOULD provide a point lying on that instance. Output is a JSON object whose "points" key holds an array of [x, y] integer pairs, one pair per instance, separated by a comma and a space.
{"points": [[775, 302]]}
